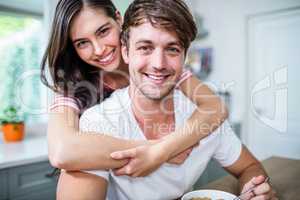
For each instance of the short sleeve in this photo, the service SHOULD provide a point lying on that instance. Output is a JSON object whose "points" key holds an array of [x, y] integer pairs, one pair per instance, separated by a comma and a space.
{"points": [[60, 100], [184, 76], [230, 147]]}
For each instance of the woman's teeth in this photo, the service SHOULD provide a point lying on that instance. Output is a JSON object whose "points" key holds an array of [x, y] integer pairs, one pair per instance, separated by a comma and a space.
{"points": [[107, 58]]}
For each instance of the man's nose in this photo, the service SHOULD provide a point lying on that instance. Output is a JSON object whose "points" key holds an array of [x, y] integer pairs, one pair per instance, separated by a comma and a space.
{"points": [[98, 48], [159, 60]]}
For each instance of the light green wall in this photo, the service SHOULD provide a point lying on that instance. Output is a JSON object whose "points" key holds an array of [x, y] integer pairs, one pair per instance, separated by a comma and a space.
{"points": [[122, 5]]}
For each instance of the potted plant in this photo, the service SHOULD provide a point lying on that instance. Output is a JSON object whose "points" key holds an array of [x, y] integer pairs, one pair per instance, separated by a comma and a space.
{"points": [[12, 124]]}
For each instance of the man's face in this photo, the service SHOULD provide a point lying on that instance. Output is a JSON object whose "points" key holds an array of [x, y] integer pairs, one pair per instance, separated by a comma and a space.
{"points": [[155, 59]]}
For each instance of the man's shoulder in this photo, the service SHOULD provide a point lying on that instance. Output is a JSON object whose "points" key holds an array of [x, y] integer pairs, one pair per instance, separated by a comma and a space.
{"points": [[183, 106], [108, 111]]}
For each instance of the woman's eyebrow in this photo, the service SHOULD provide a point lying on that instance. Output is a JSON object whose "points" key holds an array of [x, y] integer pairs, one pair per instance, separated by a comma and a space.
{"points": [[98, 30], [101, 27]]}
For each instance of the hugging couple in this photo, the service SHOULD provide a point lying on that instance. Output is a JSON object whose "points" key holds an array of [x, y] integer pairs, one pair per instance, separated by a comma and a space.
{"points": [[140, 131]]}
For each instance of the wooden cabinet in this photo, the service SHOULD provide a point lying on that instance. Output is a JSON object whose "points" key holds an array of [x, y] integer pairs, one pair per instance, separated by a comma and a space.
{"points": [[28, 182]]}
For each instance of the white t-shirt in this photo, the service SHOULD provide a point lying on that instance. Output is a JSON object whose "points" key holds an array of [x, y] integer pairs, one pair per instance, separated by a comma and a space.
{"points": [[114, 116]]}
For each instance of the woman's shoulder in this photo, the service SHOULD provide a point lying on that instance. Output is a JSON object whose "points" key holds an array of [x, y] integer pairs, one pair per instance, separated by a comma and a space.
{"points": [[60, 101]]}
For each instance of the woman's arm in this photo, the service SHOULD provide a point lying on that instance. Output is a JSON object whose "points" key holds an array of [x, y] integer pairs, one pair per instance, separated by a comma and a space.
{"points": [[71, 149], [210, 114]]}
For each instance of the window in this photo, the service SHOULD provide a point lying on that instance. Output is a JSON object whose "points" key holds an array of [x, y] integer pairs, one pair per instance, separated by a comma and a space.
{"points": [[20, 56]]}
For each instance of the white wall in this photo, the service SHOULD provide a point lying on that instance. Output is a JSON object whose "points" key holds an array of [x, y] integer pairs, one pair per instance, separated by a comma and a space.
{"points": [[226, 22], [122, 5]]}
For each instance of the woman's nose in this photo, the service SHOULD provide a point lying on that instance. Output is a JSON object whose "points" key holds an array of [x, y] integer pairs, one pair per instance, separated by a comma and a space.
{"points": [[98, 49]]}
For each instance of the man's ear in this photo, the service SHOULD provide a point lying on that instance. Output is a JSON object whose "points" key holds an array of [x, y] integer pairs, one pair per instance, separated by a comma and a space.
{"points": [[119, 18], [125, 53]]}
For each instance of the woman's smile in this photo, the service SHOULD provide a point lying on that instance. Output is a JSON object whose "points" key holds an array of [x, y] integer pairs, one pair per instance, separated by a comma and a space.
{"points": [[101, 36], [107, 59]]}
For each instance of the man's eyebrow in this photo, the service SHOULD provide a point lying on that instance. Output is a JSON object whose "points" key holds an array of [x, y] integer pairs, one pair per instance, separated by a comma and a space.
{"points": [[174, 43], [98, 30], [144, 41], [177, 43]]}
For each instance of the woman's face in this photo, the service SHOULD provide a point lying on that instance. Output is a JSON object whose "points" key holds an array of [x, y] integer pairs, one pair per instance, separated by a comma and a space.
{"points": [[96, 38]]}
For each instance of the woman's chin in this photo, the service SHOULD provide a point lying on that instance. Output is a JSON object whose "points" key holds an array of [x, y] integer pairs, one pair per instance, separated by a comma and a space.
{"points": [[112, 68], [107, 68]]}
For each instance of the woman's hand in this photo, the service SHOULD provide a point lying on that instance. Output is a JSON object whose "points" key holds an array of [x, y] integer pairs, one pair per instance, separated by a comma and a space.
{"points": [[143, 160]]}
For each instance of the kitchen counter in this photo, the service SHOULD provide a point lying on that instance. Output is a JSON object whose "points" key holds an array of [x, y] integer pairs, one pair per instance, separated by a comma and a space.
{"points": [[32, 149], [284, 174]]}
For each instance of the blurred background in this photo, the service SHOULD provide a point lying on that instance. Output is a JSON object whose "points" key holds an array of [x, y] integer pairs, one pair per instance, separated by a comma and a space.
{"points": [[246, 51]]}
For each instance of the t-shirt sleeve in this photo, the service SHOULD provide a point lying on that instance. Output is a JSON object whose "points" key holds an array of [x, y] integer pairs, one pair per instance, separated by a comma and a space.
{"points": [[230, 146], [186, 74], [60, 101]]}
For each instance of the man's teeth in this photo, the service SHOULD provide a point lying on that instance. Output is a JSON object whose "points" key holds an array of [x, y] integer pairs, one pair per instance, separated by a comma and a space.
{"points": [[107, 58], [157, 77]]}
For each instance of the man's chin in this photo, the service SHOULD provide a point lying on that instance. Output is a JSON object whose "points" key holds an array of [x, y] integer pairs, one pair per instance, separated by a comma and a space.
{"points": [[157, 95]]}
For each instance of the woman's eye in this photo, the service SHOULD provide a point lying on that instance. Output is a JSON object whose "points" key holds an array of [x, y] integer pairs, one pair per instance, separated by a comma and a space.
{"points": [[104, 31], [81, 44]]}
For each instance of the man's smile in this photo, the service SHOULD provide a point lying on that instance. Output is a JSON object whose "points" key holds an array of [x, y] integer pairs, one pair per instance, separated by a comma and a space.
{"points": [[157, 78]]}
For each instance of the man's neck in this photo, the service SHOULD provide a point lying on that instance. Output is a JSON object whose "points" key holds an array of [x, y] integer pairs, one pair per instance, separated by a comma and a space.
{"points": [[156, 118], [116, 79]]}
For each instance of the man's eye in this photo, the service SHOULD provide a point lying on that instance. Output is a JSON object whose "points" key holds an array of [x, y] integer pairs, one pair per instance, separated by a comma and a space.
{"points": [[144, 49], [174, 50]]}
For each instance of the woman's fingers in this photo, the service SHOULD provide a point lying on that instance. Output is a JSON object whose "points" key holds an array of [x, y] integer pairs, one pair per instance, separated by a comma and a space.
{"points": [[120, 172], [128, 169], [129, 153]]}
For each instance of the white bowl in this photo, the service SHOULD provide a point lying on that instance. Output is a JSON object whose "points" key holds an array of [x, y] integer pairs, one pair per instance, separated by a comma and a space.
{"points": [[213, 194]]}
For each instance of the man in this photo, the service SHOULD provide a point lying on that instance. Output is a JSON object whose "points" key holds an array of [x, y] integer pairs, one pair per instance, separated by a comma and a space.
{"points": [[156, 36]]}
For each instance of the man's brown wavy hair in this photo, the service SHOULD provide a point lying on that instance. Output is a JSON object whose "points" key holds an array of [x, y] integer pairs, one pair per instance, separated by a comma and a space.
{"points": [[172, 15]]}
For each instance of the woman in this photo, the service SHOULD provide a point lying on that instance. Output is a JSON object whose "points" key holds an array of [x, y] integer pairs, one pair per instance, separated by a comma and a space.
{"points": [[85, 64]]}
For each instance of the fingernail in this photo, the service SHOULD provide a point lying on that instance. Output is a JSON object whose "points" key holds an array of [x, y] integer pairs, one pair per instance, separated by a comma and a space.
{"points": [[112, 155]]}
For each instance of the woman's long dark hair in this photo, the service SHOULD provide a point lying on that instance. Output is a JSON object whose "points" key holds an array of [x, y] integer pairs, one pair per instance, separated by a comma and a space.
{"points": [[70, 75]]}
